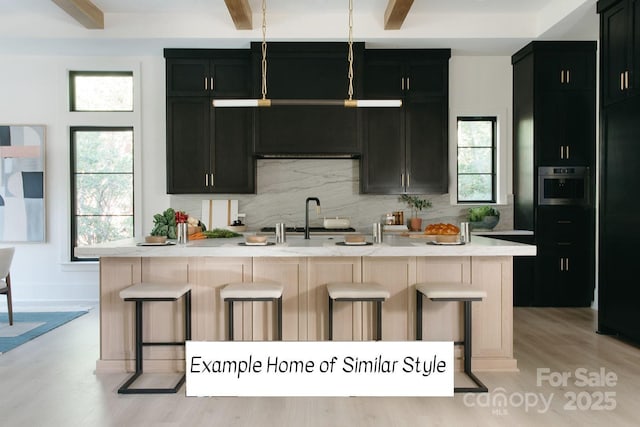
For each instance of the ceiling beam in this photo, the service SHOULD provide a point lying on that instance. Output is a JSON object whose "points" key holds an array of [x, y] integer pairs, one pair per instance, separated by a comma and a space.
{"points": [[84, 12], [395, 14], [240, 12]]}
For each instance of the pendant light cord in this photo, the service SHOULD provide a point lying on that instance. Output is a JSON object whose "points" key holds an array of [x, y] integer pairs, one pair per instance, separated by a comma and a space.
{"points": [[350, 58], [264, 49]]}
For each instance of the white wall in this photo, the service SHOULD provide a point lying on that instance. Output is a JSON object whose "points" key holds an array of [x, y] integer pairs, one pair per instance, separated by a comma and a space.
{"points": [[33, 90], [482, 86]]}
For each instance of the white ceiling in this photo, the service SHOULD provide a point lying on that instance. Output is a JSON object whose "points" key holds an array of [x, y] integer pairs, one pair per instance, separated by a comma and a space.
{"points": [[480, 27]]}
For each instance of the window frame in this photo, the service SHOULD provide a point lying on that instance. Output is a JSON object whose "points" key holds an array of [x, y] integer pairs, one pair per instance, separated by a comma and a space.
{"points": [[72, 89], [72, 179], [494, 159]]}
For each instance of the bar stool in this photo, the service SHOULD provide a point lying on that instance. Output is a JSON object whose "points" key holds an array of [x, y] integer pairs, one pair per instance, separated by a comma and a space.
{"points": [[252, 291], [453, 292], [143, 292], [366, 291]]}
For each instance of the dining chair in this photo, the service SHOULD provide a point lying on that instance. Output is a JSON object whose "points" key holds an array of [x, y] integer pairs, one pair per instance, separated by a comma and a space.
{"points": [[6, 256]]}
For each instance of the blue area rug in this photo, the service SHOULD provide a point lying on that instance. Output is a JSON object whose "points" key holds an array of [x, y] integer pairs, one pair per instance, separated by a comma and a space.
{"points": [[27, 326]]}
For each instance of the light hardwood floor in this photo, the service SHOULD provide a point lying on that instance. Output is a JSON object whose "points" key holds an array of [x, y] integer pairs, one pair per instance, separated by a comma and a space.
{"points": [[50, 381]]}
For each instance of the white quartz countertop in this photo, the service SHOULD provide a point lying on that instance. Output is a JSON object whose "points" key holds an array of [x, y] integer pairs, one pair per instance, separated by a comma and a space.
{"points": [[317, 246]]}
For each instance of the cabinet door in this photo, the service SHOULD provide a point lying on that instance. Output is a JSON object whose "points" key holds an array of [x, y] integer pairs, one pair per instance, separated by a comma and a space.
{"points": [[426, 142], [233, 162], [383, 78], [383, 155], [564, 70], [231, 78], [188, 77], [564, 225], [565, 128], [426, 78], [634, 51], [562, 278], [188, 144], [614, 51]]}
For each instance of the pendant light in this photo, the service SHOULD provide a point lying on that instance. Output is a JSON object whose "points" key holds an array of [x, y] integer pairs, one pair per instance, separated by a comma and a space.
{"points": [[350, 102], [266, 102]]}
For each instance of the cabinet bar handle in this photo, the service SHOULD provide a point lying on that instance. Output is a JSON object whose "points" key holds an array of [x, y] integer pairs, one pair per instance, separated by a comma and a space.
{"points": [[402, 178], [408, 84], [408, 180], [206, 179], [566, 264], [626, 79], [402, 83], [212, 181], [568, 77], [561, 264], [567, 152], [562, 76], [562, 151], [211, 80], [621, 81], [206, 81]]}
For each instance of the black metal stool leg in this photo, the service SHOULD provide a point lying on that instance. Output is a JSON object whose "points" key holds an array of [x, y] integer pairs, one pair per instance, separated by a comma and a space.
{"points": [[187, 316], [230, 322], [379, 320], [418, 315], [466, 342], [138, 337], [279, 303], [330, 319]]}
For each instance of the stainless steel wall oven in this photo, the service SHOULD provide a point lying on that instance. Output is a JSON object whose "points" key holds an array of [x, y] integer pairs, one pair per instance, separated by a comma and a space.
{"points": [[563, 185]]}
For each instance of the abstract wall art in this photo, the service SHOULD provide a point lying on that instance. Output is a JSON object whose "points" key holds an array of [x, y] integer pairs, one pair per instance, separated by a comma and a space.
{"points": [[22, 204]]}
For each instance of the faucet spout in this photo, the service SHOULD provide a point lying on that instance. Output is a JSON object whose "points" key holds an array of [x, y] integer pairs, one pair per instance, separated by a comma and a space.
{"points": [[306, 214]]}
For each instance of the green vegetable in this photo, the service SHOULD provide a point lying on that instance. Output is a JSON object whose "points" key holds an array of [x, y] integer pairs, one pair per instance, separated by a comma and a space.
{"points": [[164, 224], [220, 233], [477, 214]]}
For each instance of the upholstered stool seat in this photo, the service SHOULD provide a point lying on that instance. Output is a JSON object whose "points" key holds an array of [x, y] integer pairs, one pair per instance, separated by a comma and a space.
{"points": [[252, 291], [140, 293], [366, 291], [453, 292]]}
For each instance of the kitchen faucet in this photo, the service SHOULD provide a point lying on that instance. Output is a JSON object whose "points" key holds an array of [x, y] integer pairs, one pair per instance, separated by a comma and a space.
{"points": [[306, 214]]}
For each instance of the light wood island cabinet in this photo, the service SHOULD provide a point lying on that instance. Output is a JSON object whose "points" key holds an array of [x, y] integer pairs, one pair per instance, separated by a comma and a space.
{"points": [[305, 306]]}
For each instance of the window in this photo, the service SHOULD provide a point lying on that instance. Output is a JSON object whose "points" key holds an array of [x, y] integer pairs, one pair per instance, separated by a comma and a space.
{"points": [[477, 159], [101, 91], [101, 185]]}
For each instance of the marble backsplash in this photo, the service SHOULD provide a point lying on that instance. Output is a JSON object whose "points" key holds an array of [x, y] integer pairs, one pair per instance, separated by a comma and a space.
{"points": [[284, 184]]}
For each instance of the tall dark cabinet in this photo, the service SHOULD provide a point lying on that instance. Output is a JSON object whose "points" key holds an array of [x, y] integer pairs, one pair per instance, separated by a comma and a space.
{"points": [[554, 127], [618, 293], [208, 150], [405, 149]]}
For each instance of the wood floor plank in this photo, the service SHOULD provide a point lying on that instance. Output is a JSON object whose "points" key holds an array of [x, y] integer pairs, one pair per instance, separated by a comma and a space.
{"points": [[50, 381]]}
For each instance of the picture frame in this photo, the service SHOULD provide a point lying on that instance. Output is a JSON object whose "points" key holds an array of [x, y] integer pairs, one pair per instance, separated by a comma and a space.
{"points": [[22, 195]]}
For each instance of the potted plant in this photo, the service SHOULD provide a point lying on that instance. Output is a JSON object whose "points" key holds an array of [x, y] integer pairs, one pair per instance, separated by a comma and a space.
{"points": [[416, 204], [483, 217]]}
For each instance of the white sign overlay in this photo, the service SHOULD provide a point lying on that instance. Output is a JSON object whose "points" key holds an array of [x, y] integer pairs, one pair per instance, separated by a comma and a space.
{"points": [[319, 368]]}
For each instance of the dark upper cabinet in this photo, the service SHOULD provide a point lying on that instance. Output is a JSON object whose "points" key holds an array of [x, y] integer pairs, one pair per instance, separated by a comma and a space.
{"points": [[565, 70], [208, 150], [405, 149], [620, 49], [228, 77], [565, 127], [553, 122], [307, 71]]}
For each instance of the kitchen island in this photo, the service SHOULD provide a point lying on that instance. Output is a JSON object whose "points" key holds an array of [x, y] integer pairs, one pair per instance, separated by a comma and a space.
{"points": [[304, 267]]}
